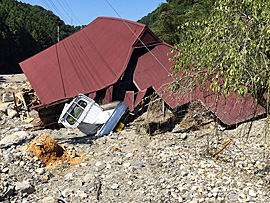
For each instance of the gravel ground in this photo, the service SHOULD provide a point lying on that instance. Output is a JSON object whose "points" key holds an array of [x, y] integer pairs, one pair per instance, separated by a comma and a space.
{"points": [[132, 166]]}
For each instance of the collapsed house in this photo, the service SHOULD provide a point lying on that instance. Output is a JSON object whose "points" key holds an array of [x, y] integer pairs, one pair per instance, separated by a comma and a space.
{"points": [[107, 60]]}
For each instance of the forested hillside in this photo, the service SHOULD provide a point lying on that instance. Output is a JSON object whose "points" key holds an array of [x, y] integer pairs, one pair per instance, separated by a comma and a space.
{"points": [[168, 18], [26, 30]]}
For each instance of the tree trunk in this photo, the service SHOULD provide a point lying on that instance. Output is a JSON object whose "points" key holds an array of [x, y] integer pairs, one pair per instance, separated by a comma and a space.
{"points": [[261, 100]]}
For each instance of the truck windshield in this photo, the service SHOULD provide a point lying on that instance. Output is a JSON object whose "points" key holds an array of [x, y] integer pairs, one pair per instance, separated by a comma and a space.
{"points": [[75, 111]]}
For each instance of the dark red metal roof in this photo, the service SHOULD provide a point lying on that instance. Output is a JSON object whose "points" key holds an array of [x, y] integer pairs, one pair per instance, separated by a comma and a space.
{"points": [[95, 58], [233, 109], [230, 111], [89, 60], [149, 72]]}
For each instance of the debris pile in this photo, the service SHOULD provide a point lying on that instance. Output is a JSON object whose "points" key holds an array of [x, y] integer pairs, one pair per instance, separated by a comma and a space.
{"points": [[30, 96], [158, 118], [17, 100], [25, 99], [196, 117], [47, 150]]}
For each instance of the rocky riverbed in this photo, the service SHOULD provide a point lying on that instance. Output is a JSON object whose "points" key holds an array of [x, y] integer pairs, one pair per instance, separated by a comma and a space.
{"points": [[133, 166]]}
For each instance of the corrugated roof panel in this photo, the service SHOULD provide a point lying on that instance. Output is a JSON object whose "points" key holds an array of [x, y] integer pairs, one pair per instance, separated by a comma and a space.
{"points": [[149, 72], [89, 60], [230, 111]]}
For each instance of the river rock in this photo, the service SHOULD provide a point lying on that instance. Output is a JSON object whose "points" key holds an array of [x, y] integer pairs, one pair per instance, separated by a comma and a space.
{"points": [[9, 139], [40, 171], [49, 199], [11, 113], [24, 187]]}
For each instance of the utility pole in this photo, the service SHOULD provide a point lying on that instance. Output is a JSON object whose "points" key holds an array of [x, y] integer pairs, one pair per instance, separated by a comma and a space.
{"points": [[58, 30]]}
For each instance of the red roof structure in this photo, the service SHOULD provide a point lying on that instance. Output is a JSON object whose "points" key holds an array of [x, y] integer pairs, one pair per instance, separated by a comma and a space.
{"points": [[107, 61]]}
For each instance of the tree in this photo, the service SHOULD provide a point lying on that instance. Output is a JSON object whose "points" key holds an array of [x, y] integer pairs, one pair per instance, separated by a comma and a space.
{"points": [[165, 20], [229, 49], [25, 30]]}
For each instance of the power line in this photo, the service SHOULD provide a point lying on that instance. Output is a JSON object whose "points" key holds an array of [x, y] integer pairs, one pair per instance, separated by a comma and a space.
{"points": [[64, 9], [142, 42], [72, 12], [45, 3], [51, 6], [57, 10]]}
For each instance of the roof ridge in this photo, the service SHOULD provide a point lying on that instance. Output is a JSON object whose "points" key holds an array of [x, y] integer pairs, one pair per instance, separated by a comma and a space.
{"points": [[119, 19]]}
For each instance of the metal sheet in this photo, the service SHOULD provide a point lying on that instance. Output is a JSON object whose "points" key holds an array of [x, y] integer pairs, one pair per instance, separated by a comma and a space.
{"points": [[149, 72], [89, 60], [129, 100]]}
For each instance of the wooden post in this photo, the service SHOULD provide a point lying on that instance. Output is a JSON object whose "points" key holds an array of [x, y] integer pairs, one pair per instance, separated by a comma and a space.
{"points": [[228, 142]]}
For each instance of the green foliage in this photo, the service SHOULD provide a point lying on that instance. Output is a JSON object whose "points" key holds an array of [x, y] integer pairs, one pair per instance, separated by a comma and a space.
{"points": [[26, 30], [168, 17], [230, 49]]}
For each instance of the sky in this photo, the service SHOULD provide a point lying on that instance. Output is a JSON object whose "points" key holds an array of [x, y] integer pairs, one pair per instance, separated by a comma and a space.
{"points": [[82, 12]]}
